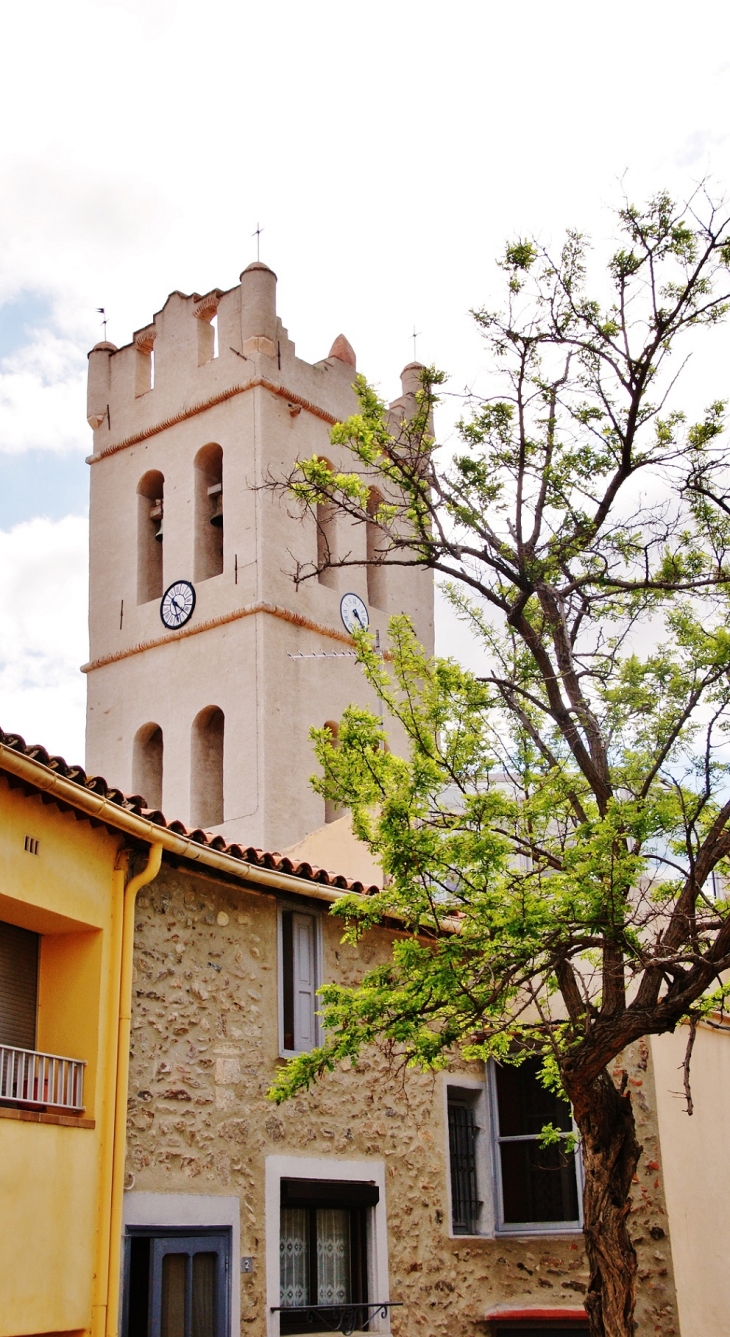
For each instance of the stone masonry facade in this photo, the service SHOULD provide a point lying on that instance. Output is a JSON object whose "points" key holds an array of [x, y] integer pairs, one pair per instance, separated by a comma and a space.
{"points": [[204, 1052]]}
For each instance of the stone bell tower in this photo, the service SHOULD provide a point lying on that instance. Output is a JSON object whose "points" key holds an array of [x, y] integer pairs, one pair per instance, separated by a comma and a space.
{"points": [[199, 705]]}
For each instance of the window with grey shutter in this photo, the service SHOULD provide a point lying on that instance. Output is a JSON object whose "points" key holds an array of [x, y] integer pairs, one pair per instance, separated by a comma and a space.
{"points": [[299, 980], [18, 986]]}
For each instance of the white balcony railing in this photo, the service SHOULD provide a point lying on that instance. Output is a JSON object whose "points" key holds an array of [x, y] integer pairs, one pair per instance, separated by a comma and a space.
{"points": [[39, 1080]]}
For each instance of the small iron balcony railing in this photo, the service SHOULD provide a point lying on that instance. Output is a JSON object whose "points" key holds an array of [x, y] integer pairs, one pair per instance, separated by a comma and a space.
{"points": [[343, 1318], [30, 1078]]}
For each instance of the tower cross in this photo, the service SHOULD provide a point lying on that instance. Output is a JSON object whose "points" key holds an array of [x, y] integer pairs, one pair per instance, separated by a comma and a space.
{"points": [[414, 336], [257, 235]]}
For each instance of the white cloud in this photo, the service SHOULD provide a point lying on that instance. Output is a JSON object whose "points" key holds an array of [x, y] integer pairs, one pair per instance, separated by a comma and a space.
{"points": [[42, 391], [44, 639], [387, 161]]}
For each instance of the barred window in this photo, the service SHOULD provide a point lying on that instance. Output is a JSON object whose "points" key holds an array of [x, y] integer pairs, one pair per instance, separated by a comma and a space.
{"points": [[463, 1161]]}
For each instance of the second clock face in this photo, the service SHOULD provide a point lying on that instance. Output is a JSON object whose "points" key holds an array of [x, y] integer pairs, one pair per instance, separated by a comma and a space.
{"points": [[353, 612], [177, 605]]}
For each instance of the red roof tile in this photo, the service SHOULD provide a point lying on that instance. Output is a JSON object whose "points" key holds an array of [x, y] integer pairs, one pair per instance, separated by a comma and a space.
{"points": [[137, 804]]}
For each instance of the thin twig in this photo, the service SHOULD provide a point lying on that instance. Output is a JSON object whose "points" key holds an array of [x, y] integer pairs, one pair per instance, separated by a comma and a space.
{"points": [[686, 1063]]}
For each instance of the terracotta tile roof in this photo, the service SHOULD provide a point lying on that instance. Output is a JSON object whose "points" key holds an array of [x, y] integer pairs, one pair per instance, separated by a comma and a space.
{"points": [[137, 804]]}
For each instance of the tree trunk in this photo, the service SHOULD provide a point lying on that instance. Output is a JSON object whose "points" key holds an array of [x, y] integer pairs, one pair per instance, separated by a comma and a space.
{"points": [[610, 1155]]}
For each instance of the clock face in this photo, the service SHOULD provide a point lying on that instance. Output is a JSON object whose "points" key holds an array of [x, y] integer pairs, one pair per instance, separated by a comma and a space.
{"points": [[353, 612], [177, 604]]}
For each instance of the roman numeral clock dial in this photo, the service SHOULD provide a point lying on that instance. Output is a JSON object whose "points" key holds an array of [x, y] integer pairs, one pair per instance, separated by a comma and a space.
{"points": [[353, 612], [177, 605]]}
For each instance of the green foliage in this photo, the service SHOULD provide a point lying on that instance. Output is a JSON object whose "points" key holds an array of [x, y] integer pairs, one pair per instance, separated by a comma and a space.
{"points": [[554, 831]]}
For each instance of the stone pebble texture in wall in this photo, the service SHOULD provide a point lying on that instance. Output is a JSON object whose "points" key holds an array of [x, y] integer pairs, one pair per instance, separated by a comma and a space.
{"points": [[204, 1051]]}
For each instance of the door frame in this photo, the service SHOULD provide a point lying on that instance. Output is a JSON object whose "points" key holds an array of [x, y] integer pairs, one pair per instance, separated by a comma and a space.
{"points": [[192, 1214]]}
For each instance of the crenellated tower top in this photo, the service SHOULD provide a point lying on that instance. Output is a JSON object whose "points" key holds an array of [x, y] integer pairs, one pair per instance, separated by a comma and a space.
{"points": [[210, 717]]}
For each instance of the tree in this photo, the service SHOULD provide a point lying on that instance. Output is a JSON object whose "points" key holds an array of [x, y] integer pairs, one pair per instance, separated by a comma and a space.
{"points": [[557, 840]]}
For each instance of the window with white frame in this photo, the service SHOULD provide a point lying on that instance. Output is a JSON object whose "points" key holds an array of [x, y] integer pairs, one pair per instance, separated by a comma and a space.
{"points": [[299, 980], [537, 1186], [501, 1178], [182, 1276], [326, 1245], [323, 1245], [176, 1283]]}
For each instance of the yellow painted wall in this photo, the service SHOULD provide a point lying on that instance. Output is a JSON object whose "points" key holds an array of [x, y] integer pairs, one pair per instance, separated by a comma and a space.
{"points": [[50, 1175], [70, 971], [48, 1185], [69, 877]]}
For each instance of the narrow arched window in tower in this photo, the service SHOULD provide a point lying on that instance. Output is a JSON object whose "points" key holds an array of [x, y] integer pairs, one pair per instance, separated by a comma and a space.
{"points": [[144, 376], [332, 810], [208, 512], [377, 588], [147, 752], [326, 541], [206, 768], [150, 508], [206, 314]]}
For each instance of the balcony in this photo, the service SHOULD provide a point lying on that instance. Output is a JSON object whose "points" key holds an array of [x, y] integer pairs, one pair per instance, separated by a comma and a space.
{"points": [[41, 1081], [343, 1318]]}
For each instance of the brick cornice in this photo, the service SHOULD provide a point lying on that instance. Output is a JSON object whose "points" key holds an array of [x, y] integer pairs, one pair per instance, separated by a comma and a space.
{"points": [[203, 404], [248, 610]]}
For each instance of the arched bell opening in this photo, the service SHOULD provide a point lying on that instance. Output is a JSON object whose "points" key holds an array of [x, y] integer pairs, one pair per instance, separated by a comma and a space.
{"points": [[147, 761], [376, 571], [327, 535], [208, 546], [150, 535], [332, 810], [206, 767]]}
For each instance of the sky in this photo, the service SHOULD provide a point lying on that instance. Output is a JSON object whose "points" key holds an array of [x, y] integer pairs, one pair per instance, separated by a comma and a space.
{"points": [[387, 150]]}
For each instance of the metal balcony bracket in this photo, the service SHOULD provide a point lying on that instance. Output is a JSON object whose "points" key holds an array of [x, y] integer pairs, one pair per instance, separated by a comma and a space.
{"points": [[338, 1318]]}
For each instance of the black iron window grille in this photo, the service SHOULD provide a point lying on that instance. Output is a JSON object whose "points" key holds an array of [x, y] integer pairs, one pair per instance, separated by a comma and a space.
{"points": [[344, 1318], [462, 1153]]}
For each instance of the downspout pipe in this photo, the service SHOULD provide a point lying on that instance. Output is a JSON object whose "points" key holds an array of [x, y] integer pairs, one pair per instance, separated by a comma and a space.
{"points": [[124, 1028], [108, 1105]]}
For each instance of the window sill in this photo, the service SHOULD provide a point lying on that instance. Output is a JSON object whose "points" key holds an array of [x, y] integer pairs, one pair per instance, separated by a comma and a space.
{"points": [[540, 1232], [544, 1314], [543, 1230], [45, 1116]]}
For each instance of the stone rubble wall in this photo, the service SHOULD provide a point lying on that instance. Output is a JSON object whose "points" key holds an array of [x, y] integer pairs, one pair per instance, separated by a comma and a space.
{"points": [[204, 1051]]}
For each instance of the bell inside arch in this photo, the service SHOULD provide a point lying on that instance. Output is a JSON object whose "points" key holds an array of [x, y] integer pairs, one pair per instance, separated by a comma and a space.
{"points": [[216, 495], [156, 513]]}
